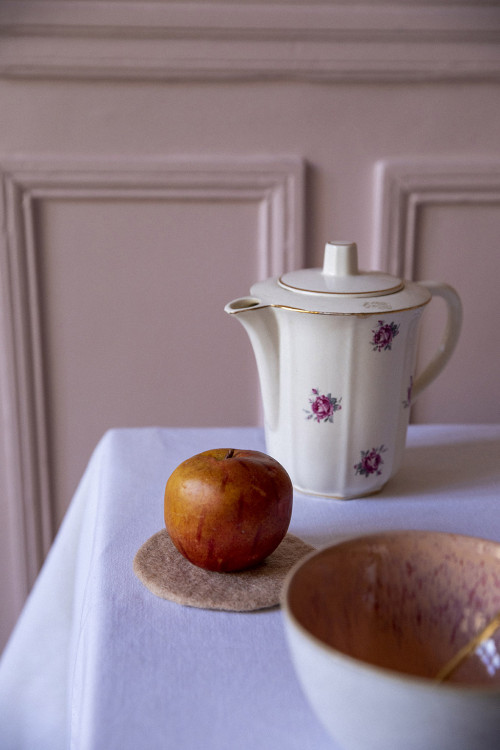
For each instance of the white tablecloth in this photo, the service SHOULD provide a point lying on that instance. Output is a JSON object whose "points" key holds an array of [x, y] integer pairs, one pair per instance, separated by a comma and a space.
{"points": [[96, 662]]}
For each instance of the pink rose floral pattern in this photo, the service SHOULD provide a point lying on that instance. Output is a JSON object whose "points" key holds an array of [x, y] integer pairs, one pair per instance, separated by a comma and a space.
{"points": [[407, 401], [371, 462], [384, 335], [323, 407]]}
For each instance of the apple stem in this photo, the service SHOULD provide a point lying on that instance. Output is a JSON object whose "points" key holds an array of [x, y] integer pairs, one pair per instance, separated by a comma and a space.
{"points": [[230, 453]]}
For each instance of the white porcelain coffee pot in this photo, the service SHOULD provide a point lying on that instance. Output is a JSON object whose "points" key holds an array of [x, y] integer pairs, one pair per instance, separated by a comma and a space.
{"points": [[335, 349]]}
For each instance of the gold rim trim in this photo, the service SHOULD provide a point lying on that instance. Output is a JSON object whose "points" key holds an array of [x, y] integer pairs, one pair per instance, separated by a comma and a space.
{"points": [[356, 295], [324, 312]]}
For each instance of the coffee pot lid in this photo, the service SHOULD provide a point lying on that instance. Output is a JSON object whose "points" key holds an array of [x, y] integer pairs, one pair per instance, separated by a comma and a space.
{"points": [[340, 288], [340, 276]]}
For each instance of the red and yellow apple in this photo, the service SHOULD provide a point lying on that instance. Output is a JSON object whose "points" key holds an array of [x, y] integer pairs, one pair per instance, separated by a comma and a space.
{"points": [[227, 510]]}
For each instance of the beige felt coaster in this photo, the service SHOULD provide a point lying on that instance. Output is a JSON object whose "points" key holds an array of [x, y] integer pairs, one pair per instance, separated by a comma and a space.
{"points": [[167, 574]]}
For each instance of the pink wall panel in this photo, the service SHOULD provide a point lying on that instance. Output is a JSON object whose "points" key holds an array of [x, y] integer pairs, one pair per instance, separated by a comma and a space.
{"points": [[458, 242], [132, 301]]}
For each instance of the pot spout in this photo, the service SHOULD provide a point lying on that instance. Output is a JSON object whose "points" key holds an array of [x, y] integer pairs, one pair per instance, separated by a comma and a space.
{"points": [[259, 321]]}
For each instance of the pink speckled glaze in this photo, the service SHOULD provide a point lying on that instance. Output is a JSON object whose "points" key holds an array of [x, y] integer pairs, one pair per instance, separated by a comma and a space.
{"points": [[405, 601]]}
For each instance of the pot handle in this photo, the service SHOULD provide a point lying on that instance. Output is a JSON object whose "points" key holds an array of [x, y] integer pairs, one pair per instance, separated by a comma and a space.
{"points": [[450, 337]]}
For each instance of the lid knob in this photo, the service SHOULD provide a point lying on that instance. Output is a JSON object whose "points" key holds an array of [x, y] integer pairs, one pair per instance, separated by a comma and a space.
{"points": [[341, 259]]}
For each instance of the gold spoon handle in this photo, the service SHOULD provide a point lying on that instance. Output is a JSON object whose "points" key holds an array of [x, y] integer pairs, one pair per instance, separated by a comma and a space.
{"points": [[464, 652]]}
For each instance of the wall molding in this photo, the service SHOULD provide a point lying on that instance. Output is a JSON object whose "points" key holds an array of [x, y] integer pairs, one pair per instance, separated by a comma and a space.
{"points": [[404, 186], [275, 184], [390, 41]]}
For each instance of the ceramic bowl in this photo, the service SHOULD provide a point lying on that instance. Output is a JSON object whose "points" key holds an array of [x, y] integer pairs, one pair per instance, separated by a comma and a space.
{"points": [[372, 621]]}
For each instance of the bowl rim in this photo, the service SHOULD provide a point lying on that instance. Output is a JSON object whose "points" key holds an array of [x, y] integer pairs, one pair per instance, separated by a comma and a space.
{"points": [[383, 672]]}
